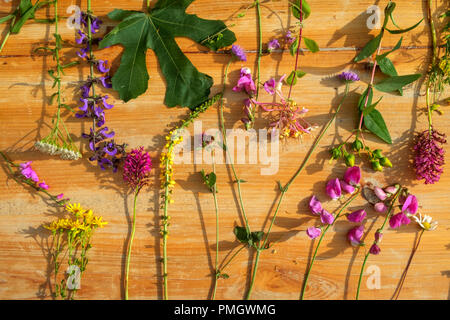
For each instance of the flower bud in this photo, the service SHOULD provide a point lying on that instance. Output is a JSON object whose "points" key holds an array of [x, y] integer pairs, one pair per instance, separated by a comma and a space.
{"points": [[377, 154], [349, 160], [335, 153], [380, 193], [376, 165], [391, 189], [380, 207], [357, 145], [378, 236], [385, 162], [375, 249]]}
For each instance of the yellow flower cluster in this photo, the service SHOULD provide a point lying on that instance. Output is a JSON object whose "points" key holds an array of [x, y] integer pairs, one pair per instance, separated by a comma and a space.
{"points": [[81, 220], [166, 163]]}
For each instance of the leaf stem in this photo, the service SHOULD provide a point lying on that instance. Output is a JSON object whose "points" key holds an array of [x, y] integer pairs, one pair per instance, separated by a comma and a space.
{"points": [[258, 10], [305, 282], [216, 206], [133, 230], [299, 45], [255, 269]]}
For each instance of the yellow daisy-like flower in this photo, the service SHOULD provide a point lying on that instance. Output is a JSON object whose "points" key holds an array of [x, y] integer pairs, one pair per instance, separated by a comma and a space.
{"points": [[76, 209]]}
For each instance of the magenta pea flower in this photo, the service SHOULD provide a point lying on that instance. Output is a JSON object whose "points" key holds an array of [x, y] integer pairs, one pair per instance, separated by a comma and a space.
{"points": [[43, 185], [60, 196], [28, 172], [326, 217], [353, 175], [375, 249], [346, 187], [410, 205], [380, 193], [357, 216], [315, 206], [380, 207], [333, 189], [399, 219], [313, 232], [355, 235], [245, 82]]}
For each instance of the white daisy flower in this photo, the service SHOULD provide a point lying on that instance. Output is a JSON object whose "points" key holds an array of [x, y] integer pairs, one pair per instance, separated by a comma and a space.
{"points": [[426, 222]]}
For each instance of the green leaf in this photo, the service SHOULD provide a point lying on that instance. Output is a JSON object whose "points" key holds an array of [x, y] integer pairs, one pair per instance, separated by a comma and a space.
{"points": [[6, 18], [24, 5], [397, 46], [300, 74], [370, 108], [241, 234], [257, 235], [26, 11], [369, 48], [311, 44], [293, 48], [388, 11], [138, 31], [292, 78], [388, 68], [396, 82], [404, 30], [374, 122], [306, 9]]}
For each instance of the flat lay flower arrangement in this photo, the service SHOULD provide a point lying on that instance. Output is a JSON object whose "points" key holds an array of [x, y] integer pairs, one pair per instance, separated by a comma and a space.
{"points": [[103, 187]]}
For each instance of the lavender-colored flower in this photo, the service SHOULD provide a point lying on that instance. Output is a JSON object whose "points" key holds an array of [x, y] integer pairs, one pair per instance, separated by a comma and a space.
{"points": [[110, 148], [289, 37], [105, 81], [375, 249], [333, 189], [273, 45], [326, 217], [429, 158], [102, 66], [315, 206], [136, 168], [82, 39], [353, 175], [28, 172], [348, 76], [106, 105], [238, 52], [355, 235], [357, 216], [313, 232]]}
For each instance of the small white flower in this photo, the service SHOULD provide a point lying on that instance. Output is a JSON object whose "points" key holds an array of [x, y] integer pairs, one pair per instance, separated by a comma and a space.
{"points": [[426, 222]]}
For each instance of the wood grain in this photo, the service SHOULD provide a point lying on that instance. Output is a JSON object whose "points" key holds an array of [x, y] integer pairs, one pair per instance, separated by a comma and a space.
{"points": [[339, 28]]}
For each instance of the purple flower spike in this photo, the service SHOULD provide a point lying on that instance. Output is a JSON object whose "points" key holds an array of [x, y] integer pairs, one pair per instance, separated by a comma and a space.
{"points": [[349, 76], [429, 156], [355, 235], [353, 175], [357, 216], [238, 52], [105, 104], [136, 168], [326, 217], [333, 189], [411, 205], [374, 249], [313, 232], [346, 187], [315, 206], [110, 148], [102, 66], [85, 90], [273, 45]]}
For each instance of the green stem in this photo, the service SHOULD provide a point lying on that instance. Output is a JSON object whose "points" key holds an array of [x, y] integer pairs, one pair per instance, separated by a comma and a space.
{"points": [[216, 206], [165, 233], [258, 10], [222, 124], [133, 230], [434, 56], [389, 214], [255, 269], [305, 282]]}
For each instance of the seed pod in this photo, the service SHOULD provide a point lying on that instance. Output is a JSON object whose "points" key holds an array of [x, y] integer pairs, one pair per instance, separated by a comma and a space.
{"points": [[349, 160], [335, 153], [385, 162], [357, 145], [376, 165]]}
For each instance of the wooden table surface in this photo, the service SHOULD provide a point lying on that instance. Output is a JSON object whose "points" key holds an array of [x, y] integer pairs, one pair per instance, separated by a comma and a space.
{"points": [[340, 29]]}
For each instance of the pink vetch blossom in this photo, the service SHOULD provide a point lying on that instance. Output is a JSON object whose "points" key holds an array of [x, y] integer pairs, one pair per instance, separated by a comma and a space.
{"points": [[315, 206], [375, 249], [380, 193], [272, 86], [353, 175], [391, 189], [429, 156], [399, 219], [273, 45], [43, 185], [313, 232], [28, 172], [380, 207], [333, 189], [136, 168], [410, 205], [378, 236], [346, 187], [357, 216], [326, 217], [355, 234], [245, 82], [60, 196]]}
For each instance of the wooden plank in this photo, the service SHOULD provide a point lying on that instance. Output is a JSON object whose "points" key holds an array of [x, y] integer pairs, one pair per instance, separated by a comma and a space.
{"points": [[144, 121]]}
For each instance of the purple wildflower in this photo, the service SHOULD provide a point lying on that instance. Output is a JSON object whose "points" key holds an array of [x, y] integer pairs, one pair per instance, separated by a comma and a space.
{"points": [[429, 157], [102, 66], [136, 168], [399, 219], [348, 76], [333, 189], [238, 52], [357, 216], [273, 45], [326, 217], [313, 232], [289, 37], [355, 235], [375, 249], [28, 172], [245, 82], [315, 206]]}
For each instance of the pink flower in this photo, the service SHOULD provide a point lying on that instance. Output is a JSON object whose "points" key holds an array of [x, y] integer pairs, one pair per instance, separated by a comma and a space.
{"points": [[380, 207], [43, 185], [353, 175], [136, 168], [60, 196], [378, 236], [28, 172], [357, 216], [333, 189], [273, 44], [355, 235], [315, 206], [411, 205], [380, 193], [313, 232], [245, 82], [270, 85], [374, 249], [346, 187], [391, 189], [326, 217], [399, 219]]}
